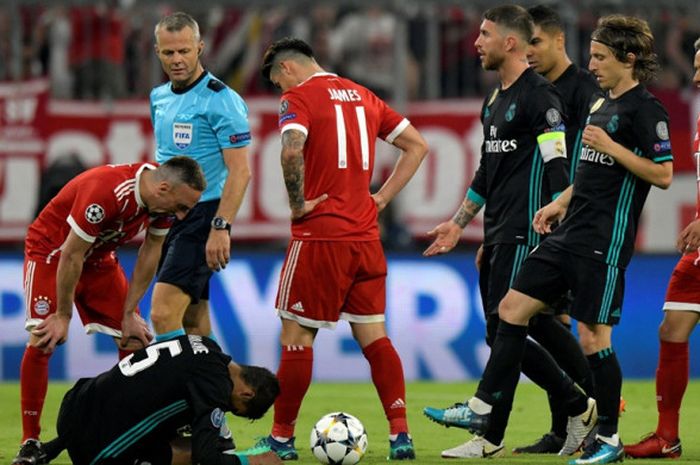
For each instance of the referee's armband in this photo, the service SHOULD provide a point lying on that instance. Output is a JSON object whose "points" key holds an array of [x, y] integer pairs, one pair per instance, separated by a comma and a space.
{"points": [[552, 145], [476, 198]]}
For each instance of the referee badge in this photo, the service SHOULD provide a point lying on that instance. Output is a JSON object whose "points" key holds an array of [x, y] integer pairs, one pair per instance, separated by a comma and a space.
{"points": [[182, 135]]}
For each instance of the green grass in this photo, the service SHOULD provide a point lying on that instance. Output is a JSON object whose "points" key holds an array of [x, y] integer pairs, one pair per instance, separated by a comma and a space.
{"points": [[529, 420]]}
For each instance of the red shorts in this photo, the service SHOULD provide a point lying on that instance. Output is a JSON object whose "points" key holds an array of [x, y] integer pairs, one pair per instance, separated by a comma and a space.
{"points": [[324, 281], [99, 295], [683, 292]]}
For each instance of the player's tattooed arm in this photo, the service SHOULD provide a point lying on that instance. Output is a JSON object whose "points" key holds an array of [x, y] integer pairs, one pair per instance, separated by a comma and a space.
{"points": [[293, 167], [467, 211]]}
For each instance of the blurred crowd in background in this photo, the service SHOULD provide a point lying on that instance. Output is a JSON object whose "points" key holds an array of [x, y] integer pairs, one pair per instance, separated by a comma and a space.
{"points": [[104, 49]]}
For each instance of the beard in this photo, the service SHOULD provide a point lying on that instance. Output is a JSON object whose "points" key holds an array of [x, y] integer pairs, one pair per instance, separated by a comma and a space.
{"points": [[492, 62]]}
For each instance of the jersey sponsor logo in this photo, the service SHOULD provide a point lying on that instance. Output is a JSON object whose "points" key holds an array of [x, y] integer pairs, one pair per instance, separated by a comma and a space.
{"points": [[589, 154], [42, 305], [285, 118], [345, 95], [510, 114], [284, 106], [236, 138], [500, 146], [662, 146], [94, 213], [613, 124], [217, 417], [662, 130], [553, 117], [182, 135]]}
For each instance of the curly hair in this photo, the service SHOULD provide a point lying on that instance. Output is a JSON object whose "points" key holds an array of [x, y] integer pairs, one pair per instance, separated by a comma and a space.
{"points": [[624, 35]]}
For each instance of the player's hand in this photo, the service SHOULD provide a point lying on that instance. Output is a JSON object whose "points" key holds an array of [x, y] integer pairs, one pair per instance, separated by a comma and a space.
{"points": [[268, 458], [446, 237], [689, 239], [379, 201], [479, 256], [598, 139], [135, 332], [218, 249], [547, 216], [51, 332], [309, 206]]}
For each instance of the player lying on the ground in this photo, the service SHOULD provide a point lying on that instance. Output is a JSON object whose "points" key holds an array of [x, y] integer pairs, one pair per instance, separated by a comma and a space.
{"points": [[132, 413]]}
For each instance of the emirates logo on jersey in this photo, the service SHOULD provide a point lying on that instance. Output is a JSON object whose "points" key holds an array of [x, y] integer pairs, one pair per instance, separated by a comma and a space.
{"points": [[94, 213]]}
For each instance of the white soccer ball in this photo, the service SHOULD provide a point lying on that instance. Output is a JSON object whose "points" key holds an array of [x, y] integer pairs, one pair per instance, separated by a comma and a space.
{"points": [[339, 439]]}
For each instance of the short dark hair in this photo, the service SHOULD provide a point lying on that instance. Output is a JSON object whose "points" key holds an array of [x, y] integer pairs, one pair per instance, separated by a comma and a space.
{"points": [[628, 34], [266, 387], [512, 17], [177, 22], [287, 46], [546, 18], [184, 170]]}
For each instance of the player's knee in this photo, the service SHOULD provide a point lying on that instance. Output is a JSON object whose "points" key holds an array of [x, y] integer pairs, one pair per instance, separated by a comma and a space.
{"points": [[511, 309], [672, 329], [162, 319]]}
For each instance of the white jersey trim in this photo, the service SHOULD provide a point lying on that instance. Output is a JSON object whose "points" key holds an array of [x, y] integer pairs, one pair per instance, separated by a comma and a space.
{"points": [[92, 328], [137, 191], [352, 318], [308, 322], [296, 126], [79, 231], [158, 231], [31, 323], [682, 306], [397, 131]]}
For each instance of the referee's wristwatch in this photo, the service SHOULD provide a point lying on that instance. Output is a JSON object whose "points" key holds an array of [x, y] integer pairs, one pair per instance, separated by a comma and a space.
{"points": [[220, 223]]}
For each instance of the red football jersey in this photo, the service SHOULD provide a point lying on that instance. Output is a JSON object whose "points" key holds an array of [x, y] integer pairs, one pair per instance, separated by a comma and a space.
{"points": [[696, 154], [342, 121], [102, 205]]}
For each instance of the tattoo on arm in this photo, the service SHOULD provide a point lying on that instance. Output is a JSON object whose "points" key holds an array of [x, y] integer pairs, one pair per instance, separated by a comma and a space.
{"points": [[466, 212], [293, 166]]}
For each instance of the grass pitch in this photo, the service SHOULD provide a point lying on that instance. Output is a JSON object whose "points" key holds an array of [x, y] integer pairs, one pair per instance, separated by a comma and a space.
{"points": [[529, 420]]}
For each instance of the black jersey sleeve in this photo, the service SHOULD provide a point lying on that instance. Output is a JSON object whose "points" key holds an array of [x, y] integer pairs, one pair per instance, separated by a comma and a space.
{"points": [[547, 117], [651, 132], [209, 391]]}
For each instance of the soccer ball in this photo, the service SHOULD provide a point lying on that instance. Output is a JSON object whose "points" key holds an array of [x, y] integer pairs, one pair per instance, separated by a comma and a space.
{"points": [[338, 439]]}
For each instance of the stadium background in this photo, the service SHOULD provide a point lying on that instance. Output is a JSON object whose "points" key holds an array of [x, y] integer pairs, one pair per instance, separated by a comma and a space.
{"points": [[74, 81]]}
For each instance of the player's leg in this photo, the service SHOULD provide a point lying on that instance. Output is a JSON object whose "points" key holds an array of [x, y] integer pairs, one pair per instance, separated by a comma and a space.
{"points": [[183, 274], [312, 287], [99, 298], [40, 301], [566, 351], [682, 313]]}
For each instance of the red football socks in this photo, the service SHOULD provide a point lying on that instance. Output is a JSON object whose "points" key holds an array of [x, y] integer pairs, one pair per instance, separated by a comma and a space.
{"points": [[388, 379], [34, 378], [671, 381], [294, 374]]}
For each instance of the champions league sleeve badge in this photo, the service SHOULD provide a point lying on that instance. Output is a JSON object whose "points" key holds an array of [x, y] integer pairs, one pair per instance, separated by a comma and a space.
{"points": [[182, 135]]}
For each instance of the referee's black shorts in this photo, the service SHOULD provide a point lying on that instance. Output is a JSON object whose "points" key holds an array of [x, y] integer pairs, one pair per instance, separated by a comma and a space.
{"points": [[597, 288], [183, 261]]}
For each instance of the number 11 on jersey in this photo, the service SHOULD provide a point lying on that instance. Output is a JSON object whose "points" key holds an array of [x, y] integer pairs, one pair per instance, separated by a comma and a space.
{"points": [[342, 136]]}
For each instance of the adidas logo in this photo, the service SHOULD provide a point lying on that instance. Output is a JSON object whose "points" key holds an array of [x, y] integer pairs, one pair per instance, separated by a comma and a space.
{"points": [[298, 307], [398, 403]]}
